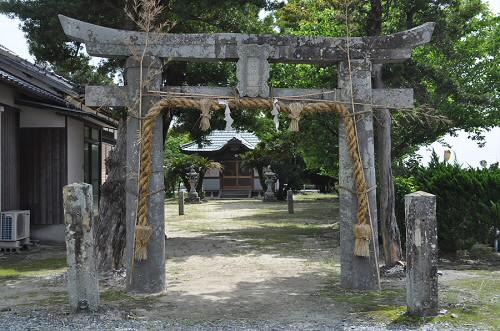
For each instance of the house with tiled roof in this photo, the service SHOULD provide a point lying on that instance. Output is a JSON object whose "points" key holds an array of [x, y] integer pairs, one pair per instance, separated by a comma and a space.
{"points": [[48, 139], [226, 147]]}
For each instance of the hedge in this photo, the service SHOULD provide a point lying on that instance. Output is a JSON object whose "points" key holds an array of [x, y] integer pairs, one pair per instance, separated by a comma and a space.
{"points": [[468, 202]]}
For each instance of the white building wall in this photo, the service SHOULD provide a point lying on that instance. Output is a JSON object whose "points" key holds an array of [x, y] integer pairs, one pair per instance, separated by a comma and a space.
{"points": [[6, 95], [38, 118], [256, 184], [75, 147], [211, 184]]}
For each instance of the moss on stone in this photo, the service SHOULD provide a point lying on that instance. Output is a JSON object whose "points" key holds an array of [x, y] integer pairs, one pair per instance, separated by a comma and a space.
{"points": [[112, 296], [471, 301]]}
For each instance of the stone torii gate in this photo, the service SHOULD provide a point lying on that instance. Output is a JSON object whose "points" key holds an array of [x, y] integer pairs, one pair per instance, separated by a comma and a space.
{"points": [[253, 54]]}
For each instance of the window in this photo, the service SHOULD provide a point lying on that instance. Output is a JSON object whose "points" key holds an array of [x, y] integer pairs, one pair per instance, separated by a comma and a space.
{"points": [[92, 161]]}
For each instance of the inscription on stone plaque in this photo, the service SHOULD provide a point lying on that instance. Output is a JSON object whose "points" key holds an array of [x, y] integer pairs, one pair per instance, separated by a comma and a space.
{"points": [[252, 70]]}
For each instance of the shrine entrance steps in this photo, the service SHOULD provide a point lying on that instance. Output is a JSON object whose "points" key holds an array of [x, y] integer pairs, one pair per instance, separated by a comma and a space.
{"points": [[235, 194]]}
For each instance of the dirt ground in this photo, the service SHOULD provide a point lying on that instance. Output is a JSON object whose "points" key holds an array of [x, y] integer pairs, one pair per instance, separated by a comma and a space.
{"points": [[243, 260]]}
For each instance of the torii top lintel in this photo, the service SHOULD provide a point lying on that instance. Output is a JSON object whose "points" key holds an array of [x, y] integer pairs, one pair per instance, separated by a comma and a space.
{"points": [[106, 42]]}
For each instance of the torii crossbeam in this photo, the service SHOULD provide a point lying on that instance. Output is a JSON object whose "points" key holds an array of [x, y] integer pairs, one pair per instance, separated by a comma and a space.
{"points": [[253, 54]]}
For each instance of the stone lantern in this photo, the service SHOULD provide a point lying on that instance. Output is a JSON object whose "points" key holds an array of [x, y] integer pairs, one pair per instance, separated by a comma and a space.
{"points": [[270, 180], [193, 177]]}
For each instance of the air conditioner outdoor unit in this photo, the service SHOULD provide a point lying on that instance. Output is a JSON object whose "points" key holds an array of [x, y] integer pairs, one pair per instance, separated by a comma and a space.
{"points": [[14, 228]]}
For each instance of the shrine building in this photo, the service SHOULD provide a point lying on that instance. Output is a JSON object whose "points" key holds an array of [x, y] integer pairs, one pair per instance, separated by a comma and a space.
{"points": [[227, 147]]}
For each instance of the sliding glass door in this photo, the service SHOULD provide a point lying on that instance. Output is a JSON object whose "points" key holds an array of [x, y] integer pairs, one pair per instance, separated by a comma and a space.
{"points": [[92, 161]]}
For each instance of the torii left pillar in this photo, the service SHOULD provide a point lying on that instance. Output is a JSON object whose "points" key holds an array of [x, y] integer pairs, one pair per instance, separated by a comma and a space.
{"points": [[144, 276]]}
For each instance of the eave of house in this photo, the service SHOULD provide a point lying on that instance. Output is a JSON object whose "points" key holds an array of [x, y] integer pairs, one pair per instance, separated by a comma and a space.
{"points": [[68, 111], [43, 89]]}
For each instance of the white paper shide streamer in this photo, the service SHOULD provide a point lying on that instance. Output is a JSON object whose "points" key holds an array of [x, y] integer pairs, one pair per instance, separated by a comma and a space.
{"points": [[227, 115], [275, 112]]}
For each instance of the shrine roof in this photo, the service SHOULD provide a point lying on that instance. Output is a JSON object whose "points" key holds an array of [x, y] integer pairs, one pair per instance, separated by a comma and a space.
{"points": [[217, 139]]}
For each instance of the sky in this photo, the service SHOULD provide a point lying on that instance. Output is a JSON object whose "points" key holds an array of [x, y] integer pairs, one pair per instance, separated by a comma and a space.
{"points": [[464, 150]]}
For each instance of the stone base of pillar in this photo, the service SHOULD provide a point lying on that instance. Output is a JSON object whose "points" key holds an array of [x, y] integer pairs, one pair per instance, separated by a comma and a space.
{"points": [[269, 197], [193, 198]]}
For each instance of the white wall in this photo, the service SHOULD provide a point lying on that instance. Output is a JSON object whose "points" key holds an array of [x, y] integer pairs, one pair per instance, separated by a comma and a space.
{"points": [[6, 95], [211, 184], [256, 184], [48, 233], [75, 151], [38, 118]]}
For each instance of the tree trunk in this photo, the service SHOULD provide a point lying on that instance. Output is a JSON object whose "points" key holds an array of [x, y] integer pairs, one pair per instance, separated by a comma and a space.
{"points": [[110, 228], [391, 239]]}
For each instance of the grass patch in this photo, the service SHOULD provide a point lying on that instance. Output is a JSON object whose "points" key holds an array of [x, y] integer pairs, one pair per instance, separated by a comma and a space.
{"points": [[365, 301], [112, 296], [473, 301], [315, 197], [127, 300], [55, 299], [32, 268]]}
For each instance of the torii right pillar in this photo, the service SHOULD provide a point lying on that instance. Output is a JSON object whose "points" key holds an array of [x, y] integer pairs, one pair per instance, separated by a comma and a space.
{"points": [[359, 273]]}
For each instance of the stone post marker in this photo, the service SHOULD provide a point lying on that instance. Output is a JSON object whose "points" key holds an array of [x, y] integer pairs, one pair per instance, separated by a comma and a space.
{"points": [[83, 285], [181, 202], [421, 254], [289, 198]]}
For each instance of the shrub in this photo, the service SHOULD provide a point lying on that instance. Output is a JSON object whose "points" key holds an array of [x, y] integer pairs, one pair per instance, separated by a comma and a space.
{"points": [[403, 186], [468, 202]]}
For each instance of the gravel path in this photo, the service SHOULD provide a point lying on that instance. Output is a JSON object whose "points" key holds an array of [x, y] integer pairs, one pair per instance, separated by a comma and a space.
{"points": [[231, 265], [41, 320]]}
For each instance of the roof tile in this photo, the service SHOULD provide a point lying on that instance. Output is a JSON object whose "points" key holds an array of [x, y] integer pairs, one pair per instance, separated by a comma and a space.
{"points": [[217, 139]]}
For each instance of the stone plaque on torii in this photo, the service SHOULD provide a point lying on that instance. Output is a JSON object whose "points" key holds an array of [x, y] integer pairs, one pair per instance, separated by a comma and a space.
{"points": [[253, 54]]}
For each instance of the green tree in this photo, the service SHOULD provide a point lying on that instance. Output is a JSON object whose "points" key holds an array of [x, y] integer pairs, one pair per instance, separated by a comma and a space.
{"points": [[279, 149], [455, 76]]}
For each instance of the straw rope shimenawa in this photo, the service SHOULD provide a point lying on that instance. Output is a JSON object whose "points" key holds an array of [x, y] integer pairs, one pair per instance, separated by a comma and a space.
{"points": [[143, 229]]}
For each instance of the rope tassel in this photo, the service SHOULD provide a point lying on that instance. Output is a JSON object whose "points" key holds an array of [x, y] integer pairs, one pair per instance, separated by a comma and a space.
{"points": [[205, 107], [362, 235], [295, 110]]}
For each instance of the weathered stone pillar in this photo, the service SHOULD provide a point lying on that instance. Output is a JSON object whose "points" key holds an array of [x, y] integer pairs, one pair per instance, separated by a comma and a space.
{"points": [[421, 254], [83, 285], [289, 198], [181, 203], [144, 276], [359, 273]]}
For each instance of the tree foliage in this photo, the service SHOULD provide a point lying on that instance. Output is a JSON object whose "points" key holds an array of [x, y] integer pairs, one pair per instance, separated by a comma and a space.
{"points": [[454, 77], [279, 149]]}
